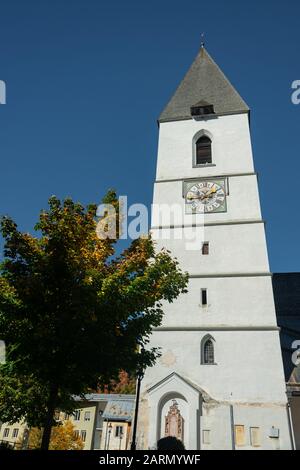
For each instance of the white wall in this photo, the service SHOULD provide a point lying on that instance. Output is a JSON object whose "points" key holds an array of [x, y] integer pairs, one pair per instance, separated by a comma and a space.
{"points": [[231, 147], [248, 364], [232, 249], [240, 314], [243, 301], [242, 201], [263, 417], [109, 438]]}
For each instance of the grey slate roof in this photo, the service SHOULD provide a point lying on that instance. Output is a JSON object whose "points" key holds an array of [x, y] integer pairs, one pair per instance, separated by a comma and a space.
{"points": [[105, 397], [204, 81], [119, 410]]}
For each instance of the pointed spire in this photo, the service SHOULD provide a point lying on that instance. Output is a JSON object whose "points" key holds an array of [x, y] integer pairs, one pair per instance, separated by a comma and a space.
{"points": [[202, 44], [204, 81]]}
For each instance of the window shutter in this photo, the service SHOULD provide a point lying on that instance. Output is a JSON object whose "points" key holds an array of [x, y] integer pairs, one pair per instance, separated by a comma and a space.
{"points": [[255, 437], [239, 432], [206, 436]]}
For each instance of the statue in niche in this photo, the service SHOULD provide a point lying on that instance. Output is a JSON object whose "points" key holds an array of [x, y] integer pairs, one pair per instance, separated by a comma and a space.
{"points": [[174, 422]]}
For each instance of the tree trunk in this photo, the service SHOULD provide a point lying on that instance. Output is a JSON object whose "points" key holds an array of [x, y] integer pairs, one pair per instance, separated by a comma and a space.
{"points": [[49, 418]]}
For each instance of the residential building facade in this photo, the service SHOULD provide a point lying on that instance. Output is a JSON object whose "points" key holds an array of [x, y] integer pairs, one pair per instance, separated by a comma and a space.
{"points": [[103, 421]]}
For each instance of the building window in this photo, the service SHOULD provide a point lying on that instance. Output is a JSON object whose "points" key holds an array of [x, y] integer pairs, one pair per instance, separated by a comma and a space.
{"points": [[202, 108], [76, 434], [83, 435], [206, 436], [204, 296], [119, 431], [6, 432], [67, 416], [207, 350], [205, 248], [203, 150], [76, 415], [15, 432], [87, 416], [239, 434], [255, 438]]}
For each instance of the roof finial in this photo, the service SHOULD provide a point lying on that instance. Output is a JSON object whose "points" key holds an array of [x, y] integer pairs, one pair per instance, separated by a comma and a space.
{"points": [[202, 40]]}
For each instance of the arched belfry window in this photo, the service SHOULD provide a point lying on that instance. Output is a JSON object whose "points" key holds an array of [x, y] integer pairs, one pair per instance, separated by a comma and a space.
{"points": [[207, 351], [203, 150]]}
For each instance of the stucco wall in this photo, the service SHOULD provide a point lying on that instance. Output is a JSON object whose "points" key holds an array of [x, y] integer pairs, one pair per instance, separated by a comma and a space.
{"points": [[231, 147], [240, 314], [241, 301], [244, 369]]}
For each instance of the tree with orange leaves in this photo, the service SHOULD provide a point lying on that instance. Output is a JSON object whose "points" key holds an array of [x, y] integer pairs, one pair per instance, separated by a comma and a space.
{"points": [[72, 313], [63, 437]]}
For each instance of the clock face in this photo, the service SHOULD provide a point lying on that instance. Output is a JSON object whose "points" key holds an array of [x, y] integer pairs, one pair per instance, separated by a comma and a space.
{"points": [[205, 196]]}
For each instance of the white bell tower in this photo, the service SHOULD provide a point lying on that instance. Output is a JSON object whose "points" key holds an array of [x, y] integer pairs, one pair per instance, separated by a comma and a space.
{"points": [[219, 382]]}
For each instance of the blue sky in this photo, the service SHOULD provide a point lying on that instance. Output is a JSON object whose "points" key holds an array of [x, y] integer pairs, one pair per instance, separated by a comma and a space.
{"points": [[86, 81]]}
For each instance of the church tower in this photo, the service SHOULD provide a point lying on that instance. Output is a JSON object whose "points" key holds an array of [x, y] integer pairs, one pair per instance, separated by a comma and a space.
{"points": [[219, 383]]}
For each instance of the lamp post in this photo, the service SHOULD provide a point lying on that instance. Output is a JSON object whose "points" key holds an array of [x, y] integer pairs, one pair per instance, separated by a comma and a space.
{"points": [[109, 433], [25, 439], [139, 376], [121, 437], [106, 433]]}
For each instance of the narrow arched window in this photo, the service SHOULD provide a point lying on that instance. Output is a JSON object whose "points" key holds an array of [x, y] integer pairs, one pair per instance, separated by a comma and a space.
{"points": [[208, 356], [203, 150]]}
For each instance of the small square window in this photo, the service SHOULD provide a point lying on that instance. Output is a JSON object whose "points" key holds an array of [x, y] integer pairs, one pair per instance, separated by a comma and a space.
{"points": [[205, 248], [76, 415], [119, 431]]}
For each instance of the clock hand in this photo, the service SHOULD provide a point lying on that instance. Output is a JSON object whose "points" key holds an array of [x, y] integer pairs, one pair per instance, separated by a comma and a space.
{"points": [[203, 196], [212, 191], [193, 197], [208, 194]]}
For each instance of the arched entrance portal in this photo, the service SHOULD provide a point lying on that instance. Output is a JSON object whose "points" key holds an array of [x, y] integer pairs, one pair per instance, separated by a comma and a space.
{"points": [[160, 398], [173, 417]]}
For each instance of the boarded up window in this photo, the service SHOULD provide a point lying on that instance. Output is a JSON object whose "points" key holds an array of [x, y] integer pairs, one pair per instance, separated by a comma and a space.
{"points": [[239, 432], [206, 436], [255, 437]]}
